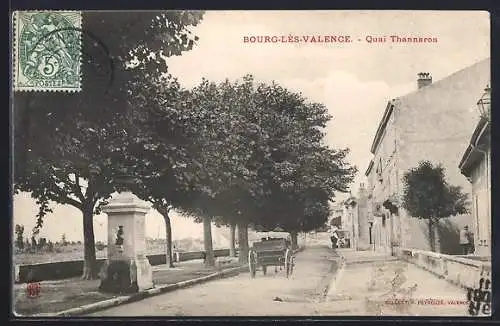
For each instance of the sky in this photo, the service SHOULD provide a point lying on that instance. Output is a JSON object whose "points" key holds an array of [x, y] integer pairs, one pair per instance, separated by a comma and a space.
{"points": [[353, 80]]}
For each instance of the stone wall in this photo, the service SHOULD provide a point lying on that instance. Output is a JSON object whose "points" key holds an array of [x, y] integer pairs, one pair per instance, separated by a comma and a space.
{"points": [[417, 235], [459, 271], [68, 269]]}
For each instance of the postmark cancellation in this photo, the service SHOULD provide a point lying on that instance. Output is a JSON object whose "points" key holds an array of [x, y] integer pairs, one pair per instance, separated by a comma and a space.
{"points": [[47, 51]]}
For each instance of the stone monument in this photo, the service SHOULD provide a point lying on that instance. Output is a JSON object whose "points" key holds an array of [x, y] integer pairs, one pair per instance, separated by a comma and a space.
{"points": [[127, 269]]}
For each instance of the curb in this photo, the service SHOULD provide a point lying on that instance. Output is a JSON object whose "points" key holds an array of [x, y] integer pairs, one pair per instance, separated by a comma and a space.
{"points": [[101, 305], [299, 249]]}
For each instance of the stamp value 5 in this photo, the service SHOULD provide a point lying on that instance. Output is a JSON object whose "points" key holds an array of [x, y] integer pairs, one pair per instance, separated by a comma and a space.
{"points": [[47, 51]]}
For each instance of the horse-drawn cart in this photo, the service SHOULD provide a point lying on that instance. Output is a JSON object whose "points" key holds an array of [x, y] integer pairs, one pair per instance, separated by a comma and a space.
{"points": [[271, 252]]}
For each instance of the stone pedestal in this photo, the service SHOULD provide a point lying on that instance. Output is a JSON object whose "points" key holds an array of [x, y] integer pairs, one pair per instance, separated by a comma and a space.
{"points": [[127, 268]]}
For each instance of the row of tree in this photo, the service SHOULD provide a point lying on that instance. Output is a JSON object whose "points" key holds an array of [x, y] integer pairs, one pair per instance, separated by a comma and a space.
{"points": [[241, 153]]}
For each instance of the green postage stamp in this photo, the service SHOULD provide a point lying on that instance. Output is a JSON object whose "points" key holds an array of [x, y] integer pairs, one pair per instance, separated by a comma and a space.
{"points": [[47, 51]]}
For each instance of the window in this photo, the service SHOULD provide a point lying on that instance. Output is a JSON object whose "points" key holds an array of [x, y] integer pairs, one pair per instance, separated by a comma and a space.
{"points": [[476, 217], [379, 170], [370, 232]]}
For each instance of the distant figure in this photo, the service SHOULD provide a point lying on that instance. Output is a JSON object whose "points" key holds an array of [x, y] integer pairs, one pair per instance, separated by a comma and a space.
{"points": [[335, 237], [465, 240]]}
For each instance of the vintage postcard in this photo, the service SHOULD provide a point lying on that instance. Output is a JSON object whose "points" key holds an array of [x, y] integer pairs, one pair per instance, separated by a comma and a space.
{"points": [[251, 163], [47, 51]]}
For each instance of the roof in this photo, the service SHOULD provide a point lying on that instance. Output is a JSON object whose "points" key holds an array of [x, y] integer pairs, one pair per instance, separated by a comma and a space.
{"points": [[381, 126], [479, 141], [370, 166]]}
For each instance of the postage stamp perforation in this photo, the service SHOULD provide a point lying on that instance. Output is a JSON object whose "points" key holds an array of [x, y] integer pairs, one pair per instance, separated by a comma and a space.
{"points": [[14, 49], [74, 21]]}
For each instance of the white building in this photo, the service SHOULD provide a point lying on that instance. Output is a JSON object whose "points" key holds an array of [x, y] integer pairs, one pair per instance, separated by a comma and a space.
{"points": [[476, 166], [432, 123]]}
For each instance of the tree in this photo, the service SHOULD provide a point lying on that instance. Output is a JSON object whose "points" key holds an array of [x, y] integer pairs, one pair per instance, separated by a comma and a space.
{"points": [[69, 147], [63, 240], [286, 176], [19, 231], [175, 150], [219, 153], [33, 243], [231, 124], [42, 244], [50, 246], [301, 174], [428, 196]]}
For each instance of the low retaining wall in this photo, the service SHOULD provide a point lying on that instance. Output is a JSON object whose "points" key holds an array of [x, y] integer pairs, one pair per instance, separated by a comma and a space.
{"points": [[73, 268], [460, 271]]}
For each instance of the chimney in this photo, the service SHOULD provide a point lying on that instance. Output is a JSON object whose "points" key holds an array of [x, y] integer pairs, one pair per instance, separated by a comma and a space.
{"points": [[361, 191], [424, 79]]}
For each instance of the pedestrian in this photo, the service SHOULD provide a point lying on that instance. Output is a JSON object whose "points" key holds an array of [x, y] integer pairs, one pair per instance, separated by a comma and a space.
{"points": [[335, 237], [465, 240]]}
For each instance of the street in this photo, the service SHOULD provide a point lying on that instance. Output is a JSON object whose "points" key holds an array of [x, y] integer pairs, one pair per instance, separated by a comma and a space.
{"points": [[317, 287]]}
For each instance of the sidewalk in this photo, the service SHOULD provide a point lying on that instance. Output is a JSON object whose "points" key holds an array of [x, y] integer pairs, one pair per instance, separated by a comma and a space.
{"points": [[365, 256], [272, 294], [57, 296], [374, 284]]}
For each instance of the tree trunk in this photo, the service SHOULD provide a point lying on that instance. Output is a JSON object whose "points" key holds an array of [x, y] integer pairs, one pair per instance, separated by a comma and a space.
{"points": [[207, 239], [90, 269], [295, 243], [232, 251], [168, 239], [432, 234], [437, 245], [243, 243]]}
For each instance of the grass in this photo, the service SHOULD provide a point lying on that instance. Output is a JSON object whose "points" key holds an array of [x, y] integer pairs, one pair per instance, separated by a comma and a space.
{"points": [[56, 296]]}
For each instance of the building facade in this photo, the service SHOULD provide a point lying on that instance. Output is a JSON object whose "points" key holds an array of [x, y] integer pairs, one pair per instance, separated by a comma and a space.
{"points": [[363, 220], [432, 123], [336, 217], [476, 166], [350, 215]]}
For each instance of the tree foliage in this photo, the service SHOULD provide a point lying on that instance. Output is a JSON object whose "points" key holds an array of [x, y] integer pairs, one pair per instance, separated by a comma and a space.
{"points": [[19, 241], [70, 146], [428, 195], [61, 138], [269, 164]]}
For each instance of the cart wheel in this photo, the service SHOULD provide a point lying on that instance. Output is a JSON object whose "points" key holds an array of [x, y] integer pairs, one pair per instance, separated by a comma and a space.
{"points": [[288, 262], [264, 270], [251, 263]]}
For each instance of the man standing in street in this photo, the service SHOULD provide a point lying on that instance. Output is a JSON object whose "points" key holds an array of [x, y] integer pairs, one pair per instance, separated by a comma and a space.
{"points": [[335, 237], [465, 240]]}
